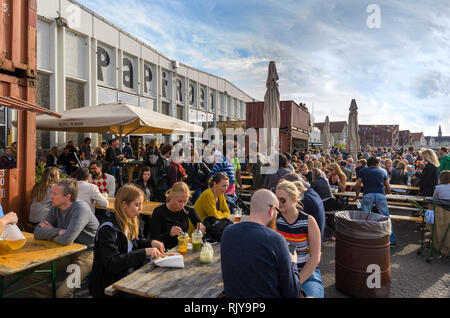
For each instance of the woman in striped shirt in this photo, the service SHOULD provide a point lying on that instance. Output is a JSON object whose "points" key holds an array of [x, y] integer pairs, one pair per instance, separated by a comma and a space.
{"points": [[302, 234]]}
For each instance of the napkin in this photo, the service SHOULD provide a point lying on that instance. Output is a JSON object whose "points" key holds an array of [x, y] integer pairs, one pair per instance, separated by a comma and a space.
{"points": [[170, 261]]}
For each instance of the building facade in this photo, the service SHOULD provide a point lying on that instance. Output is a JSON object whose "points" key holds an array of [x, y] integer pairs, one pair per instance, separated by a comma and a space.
{"points": [[338, 131], [405, 138], [437, 141], [379, 135], [418, 140], [85, 60]]}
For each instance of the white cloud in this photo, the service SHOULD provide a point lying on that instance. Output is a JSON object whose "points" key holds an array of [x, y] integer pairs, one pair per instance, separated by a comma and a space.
{"points": [[325, 53]]}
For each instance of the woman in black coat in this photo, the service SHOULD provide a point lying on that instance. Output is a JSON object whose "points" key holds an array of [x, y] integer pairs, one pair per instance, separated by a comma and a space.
{"points": [[118, 251], [429, 177]]}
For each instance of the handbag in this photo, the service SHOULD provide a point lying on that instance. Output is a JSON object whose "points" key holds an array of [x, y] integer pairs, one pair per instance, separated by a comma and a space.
{"points": [[215, 227]]}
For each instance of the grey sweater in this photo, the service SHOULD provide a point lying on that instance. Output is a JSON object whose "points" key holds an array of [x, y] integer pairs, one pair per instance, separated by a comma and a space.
{"points": [[78, 221]]}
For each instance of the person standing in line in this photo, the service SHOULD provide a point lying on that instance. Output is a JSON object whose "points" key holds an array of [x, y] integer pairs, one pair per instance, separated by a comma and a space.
{"points": [[376, 186]]}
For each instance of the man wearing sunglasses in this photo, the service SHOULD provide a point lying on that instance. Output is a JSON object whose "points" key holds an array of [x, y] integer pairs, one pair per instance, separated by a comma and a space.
{"points": [[255, 259]]}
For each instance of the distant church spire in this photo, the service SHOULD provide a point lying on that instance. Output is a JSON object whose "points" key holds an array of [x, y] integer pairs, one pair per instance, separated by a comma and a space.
{"points": [[440, 131]]}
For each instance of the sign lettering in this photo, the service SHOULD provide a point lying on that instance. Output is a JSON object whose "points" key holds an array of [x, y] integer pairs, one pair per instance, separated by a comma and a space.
{"points": [[147, 77], [127, 73], [103, 60]]}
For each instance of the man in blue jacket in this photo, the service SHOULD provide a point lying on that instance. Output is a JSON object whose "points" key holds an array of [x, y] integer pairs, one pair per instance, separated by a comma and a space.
{"points": [[255, 259]]}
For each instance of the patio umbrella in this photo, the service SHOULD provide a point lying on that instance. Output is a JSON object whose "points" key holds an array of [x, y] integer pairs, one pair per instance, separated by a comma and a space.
{"points": [[326, 136], [116, 118], [272, 106], [353, 136]]}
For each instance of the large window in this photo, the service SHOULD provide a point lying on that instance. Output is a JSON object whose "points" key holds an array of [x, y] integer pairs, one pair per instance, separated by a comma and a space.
{"points": [[43, 100], [74, 99]]}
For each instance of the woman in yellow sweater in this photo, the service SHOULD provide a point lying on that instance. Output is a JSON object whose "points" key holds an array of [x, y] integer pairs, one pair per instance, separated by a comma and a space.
{"points": [[212, 201]]}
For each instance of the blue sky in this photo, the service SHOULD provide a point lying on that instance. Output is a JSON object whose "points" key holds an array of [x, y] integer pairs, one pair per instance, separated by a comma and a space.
{"points": [[326, 53]]}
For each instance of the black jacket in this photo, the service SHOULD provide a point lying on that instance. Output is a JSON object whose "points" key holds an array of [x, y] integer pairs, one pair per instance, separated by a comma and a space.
{"points": [[161, 178], [429, 179], [112, 261], [198, 174]]}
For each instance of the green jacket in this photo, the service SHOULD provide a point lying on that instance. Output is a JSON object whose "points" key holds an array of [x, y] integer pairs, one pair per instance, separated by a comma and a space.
{"points": [[444, 163]]}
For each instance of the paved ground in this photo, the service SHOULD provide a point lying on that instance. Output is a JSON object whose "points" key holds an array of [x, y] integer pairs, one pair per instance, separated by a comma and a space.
{"points": [[411, 275]]}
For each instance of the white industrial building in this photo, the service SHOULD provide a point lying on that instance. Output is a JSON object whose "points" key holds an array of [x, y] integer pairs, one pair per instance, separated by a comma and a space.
{"points": [[84, 60]]}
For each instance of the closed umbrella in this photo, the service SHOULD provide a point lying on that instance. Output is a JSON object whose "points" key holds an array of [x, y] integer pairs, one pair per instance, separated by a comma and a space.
{"points": [[272, 106], [326, 136], [353, 136]]}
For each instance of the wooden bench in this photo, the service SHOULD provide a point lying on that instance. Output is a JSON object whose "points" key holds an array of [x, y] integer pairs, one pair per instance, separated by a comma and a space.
{"points": [[394, 217]]}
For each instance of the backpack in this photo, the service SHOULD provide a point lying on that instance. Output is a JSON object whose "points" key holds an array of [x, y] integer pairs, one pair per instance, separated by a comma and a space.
{"points": [[215, 227]]}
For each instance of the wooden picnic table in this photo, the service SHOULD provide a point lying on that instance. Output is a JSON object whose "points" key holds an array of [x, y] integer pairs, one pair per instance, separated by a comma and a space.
{"points": [[246, 177], [147, 208], [33, 254], [195, 280], [389, 197], [393, 186]]}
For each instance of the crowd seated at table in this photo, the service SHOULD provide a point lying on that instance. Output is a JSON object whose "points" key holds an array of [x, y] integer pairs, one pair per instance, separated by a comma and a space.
{"points": [[289, 212]]}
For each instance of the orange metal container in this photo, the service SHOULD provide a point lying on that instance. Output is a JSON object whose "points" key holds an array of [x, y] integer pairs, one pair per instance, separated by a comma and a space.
{"points": [[17, 183], [291, 115], [18, 20]]}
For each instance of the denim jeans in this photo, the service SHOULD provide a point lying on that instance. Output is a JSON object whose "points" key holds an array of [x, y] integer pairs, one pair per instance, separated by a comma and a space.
{"points": [[313, 286], [380, 201], [115, 171]]}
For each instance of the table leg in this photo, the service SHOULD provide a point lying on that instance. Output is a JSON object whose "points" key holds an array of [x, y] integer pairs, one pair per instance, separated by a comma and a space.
{"points": [[53, 274], [1, 286], [130, 173]]}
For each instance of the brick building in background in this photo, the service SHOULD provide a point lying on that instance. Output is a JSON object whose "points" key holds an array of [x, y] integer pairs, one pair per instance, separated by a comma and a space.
{"points": [[405, 138], [418, 140], [379, 135]]}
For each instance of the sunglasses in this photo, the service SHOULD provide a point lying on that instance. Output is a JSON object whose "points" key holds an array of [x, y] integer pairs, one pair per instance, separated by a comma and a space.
{"points": [[272, 206], [282, 200]]}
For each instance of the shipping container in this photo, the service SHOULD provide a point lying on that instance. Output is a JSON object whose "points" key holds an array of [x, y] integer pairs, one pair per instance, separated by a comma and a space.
{"points": [[291, 115], [16, 184], [18, 20]]}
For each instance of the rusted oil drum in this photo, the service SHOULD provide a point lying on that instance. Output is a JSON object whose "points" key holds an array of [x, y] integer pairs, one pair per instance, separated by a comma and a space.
{"points": [[362, 261]]}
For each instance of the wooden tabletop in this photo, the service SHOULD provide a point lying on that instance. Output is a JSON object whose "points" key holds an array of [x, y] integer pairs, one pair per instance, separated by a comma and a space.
{"points": [[393, 197], [247, 177], [147, 208], [393, 186], [195, 280], [34, 253]]}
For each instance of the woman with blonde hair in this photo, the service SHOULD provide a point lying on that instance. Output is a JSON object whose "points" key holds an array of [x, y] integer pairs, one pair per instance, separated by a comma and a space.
{"points": [[302, 235], [336, 177], [172, 218], [429, 176], [118, 246], [40, 195]]}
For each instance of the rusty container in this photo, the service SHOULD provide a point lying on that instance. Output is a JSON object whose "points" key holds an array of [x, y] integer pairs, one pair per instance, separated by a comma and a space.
{"points": [[18, 20], [17, 183], [362, 261]]}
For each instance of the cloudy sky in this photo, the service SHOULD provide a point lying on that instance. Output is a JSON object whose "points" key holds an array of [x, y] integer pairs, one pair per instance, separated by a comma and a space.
{"points": [[391, 56]]}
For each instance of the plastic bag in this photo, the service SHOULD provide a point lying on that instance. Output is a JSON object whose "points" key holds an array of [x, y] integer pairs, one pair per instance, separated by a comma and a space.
{"points": [[12, 237], [363, 225]]}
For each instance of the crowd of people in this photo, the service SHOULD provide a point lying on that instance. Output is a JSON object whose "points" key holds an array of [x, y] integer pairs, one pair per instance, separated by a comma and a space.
{"points": [[287, 222]]}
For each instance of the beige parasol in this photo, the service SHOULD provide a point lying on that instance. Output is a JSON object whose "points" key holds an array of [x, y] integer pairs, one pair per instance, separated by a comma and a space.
{"points": [[353, 136], [272, 107]]}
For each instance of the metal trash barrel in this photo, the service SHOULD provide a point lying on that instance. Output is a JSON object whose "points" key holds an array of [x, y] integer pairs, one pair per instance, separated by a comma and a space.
{"points": [[362, 261]]}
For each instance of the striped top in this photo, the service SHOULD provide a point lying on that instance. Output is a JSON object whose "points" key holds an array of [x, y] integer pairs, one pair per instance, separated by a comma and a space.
{"points": [[296, 234], [224, 166]]}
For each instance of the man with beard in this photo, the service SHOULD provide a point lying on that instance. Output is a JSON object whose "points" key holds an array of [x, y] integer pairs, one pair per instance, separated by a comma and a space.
{"points": [[255, 259], [105, 183]]}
